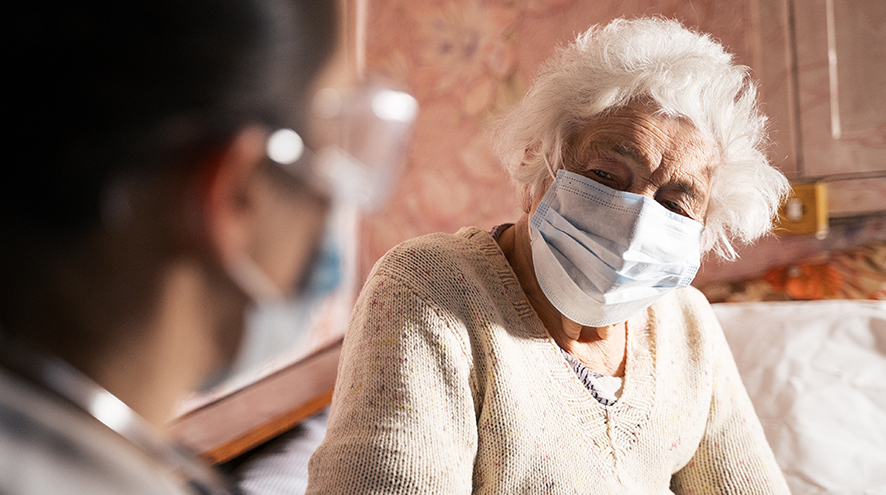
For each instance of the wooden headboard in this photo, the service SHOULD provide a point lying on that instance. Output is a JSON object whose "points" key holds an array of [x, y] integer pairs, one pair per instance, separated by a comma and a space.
{"points": [[231, 425]]}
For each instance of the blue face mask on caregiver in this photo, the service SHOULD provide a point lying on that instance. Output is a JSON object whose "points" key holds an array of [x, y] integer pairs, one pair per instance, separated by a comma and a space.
{"points": [[367, 129], [602, 255]]}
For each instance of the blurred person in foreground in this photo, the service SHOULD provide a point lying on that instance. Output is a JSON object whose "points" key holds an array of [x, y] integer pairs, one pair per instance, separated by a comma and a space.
{"points": [[566, 353], [154, 188]]}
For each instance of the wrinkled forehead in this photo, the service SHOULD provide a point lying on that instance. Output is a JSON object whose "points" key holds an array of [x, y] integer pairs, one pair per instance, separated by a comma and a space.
{"points": [[646, 135]]}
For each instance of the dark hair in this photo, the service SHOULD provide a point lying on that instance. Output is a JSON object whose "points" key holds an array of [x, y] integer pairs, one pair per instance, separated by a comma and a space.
{"points": [[104, 87]]}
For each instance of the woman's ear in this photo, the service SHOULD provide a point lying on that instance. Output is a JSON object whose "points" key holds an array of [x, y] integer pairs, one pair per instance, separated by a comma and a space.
{"points": [[227, 205]]}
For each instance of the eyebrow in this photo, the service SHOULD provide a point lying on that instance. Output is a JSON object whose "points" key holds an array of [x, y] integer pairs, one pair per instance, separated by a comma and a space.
{"points": [[687, 188], [628, 151], [631, 152]]}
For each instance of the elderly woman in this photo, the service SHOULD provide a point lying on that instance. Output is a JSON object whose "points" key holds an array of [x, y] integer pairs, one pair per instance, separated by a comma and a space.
{"points": [[565, 353]]}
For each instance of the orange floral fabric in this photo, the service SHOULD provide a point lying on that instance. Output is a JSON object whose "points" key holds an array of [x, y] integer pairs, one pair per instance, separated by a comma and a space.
{"points": [[857, 273]]}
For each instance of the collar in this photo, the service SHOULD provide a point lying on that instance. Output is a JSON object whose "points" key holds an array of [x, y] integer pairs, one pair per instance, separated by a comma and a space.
{"points": [[66, 382]]}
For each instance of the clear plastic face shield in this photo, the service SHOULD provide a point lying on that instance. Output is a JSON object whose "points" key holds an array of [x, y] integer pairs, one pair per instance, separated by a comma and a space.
{"points": [[369, 127], [363, 134]]}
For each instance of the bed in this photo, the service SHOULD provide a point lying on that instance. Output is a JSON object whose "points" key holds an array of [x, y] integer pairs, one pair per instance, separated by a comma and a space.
{"points": [[815, 370]]}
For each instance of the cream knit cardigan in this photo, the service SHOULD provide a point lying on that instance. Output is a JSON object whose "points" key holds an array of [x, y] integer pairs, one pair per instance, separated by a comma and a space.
{"points": [[448, 383]]}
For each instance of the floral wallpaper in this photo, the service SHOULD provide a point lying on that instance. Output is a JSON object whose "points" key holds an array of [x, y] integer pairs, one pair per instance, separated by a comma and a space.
{"points": [[467, 61]]}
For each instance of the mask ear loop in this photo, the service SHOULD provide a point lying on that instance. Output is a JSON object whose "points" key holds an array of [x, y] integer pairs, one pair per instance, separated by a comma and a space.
{"points": [[546, 157], [553, 175], [549, 166]]}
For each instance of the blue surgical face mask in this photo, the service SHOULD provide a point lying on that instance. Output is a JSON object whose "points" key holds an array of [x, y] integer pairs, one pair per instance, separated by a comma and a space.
{"points": [[602, 255], [274, 326], [277, 322]]}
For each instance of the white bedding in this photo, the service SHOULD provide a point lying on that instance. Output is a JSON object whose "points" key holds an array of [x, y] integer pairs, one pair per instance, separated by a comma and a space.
{"points": [[816, 372]]}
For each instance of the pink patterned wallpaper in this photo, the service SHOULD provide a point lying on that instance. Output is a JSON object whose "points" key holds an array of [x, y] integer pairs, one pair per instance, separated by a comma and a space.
{"points": [[468, 60]]}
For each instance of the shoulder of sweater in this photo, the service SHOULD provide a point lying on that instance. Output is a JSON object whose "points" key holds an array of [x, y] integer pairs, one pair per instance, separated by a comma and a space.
{"points": [[690, 296], [689, 309], [437, 254], [465, 238], [442, 271]]}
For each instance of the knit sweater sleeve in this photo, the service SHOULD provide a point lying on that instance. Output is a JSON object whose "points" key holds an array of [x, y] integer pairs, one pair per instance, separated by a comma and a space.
{"points": [[402, 417], [733, 455]]}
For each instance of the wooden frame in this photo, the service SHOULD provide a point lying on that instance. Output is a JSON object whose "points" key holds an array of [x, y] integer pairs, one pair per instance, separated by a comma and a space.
{"points": [[249, 417]]}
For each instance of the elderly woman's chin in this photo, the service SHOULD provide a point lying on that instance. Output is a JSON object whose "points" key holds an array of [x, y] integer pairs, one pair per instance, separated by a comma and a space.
{"points": [[566, 352]]}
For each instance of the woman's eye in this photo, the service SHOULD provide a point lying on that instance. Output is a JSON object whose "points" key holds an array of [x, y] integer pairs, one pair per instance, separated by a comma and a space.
{"points": [[671, 205], [602, 174]]}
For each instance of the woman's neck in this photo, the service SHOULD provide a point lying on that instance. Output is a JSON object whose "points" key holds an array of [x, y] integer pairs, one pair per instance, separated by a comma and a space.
{"points": [[602, 349]]}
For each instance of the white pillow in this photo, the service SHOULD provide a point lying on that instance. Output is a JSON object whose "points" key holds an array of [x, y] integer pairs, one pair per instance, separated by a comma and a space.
{"points": [[816, 373]]}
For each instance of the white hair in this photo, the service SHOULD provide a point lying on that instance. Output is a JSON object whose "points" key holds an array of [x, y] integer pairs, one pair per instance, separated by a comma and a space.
{"points": [[685, 74]]}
